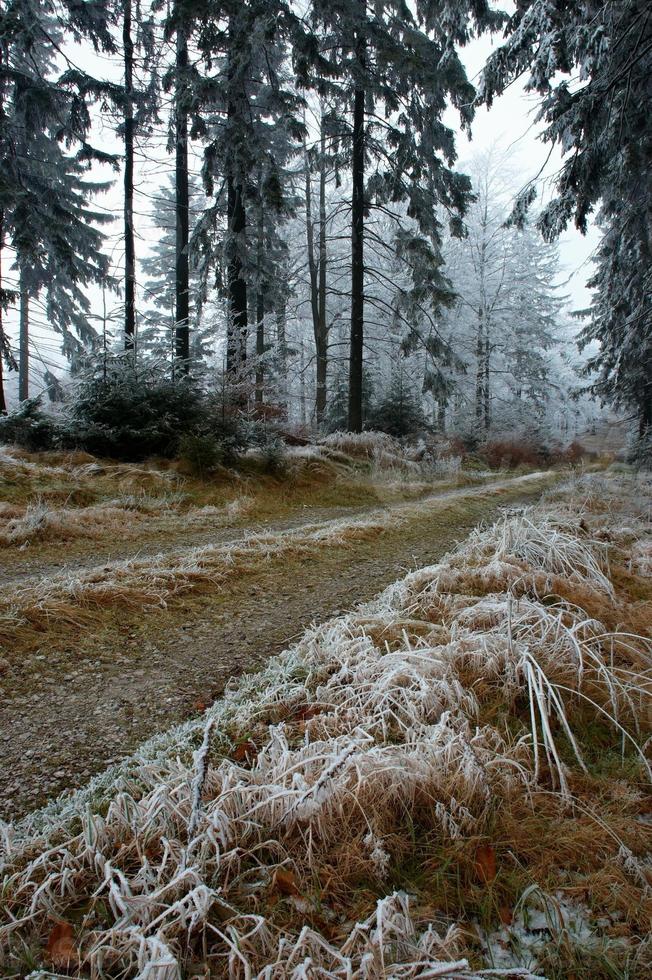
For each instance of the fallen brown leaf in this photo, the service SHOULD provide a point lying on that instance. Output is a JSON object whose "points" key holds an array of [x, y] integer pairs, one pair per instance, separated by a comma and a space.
{"points": [[245, 751], [285, 882], [485, 863], [505, 914], [61, 949], [306, 711]]}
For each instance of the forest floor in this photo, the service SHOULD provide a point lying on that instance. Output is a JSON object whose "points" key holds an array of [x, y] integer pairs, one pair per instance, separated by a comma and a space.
{"points": [[452, 780], [84, 680]]}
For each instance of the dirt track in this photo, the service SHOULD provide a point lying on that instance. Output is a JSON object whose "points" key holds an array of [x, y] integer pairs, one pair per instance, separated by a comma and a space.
{"points": [[71, 708]]}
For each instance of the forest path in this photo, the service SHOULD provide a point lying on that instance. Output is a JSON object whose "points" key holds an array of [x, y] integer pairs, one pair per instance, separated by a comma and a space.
{"points": [[73, 706], [91, 554], [171, 537]]}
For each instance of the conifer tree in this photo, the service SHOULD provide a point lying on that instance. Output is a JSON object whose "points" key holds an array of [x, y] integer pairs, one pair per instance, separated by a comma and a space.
{"points": [[182, 80], [601, 120], [507, 312], [48, 224], [138, 103], [399, 412], [181, 98], [6, 358], [130, 250], [317, 261], [269, 278], [160, 268], [395, 71], [6, 296], [252, 116]]}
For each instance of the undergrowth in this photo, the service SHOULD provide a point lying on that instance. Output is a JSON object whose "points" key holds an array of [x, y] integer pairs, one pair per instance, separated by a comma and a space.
{"points": [[57, 496], [412, 790]]}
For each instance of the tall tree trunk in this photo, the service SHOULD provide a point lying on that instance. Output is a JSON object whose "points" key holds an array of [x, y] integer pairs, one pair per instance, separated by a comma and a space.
{"points": [[645, 410], [458, 404], [357, 244], [3, 342], [302, 387], [23, 347], [105, 346], [260, 348], [260, 300], [3, 400], [182, 286], [236, 345], [487, 391], [321, 379], [310, 242], [322, 345], [281, 344], [130, 252], [441, 417], [313, 272], [482, 351], [236, 348], [479, 369]]}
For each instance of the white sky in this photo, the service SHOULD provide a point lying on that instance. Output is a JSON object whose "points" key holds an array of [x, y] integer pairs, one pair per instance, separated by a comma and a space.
{"points": [[508, 127]]}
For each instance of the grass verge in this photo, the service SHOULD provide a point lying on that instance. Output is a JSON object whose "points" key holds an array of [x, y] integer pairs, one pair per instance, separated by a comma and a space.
{"points": [[68, 600], [450, 780]]}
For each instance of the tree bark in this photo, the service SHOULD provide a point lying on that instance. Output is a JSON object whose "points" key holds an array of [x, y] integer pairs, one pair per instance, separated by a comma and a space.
{"points": [[260, 348], [281, 343], [357, 243], [260, 300], [317, 275], [479, 370], [645, 411], [3, 400], [130, 251], [23, 347], [322, 345], [4, 347], [441, 417], [482, 348], [302, 387], [237, 330], [310, 242], [236, 348], [182, 285], [487, 391]]}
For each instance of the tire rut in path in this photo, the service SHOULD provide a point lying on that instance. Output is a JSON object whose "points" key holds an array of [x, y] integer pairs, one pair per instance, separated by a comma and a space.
{"points": [[96, 554], [76, 710], [102, 557]]}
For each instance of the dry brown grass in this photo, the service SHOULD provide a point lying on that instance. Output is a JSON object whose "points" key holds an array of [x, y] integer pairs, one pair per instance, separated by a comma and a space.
{"points": [[90, 504], [54, 497], [442, 756], [69, 600], [73, 599], [127, 516]]}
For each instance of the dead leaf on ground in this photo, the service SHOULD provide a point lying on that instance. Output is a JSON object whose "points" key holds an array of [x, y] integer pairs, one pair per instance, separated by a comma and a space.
{"points": [[306, 711], [245, 751], [285, 882], [485, 863], [61, 949]]}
